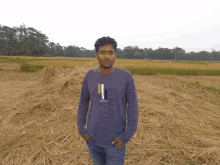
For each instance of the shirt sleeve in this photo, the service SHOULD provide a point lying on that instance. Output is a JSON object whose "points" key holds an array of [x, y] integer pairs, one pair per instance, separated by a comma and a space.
{"points": [[83, 107], [132, 110]]}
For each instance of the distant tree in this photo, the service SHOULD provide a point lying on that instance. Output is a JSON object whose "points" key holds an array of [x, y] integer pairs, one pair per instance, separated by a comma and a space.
{"points": [[59, 49], [52, 48], [119, 52], [32, 42], [8, 39]]}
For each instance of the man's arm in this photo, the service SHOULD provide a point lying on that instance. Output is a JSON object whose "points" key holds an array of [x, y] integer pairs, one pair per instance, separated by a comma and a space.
{"points": [[83, 107], [132, 110]]}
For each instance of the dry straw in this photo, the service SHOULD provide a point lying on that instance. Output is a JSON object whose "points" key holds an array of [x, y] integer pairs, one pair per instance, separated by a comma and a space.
{"points": [[175, 125]]}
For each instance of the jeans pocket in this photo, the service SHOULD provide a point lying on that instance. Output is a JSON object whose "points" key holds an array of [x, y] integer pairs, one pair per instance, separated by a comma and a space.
{"points": [[89, 142], [114, 145]]}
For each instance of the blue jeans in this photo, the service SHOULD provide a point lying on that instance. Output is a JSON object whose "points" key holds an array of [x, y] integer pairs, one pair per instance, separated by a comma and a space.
{"points": [[106, 155]]}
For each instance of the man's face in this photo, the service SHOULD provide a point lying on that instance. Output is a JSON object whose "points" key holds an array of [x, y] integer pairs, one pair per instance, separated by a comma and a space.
{"points": [[106, 56]]}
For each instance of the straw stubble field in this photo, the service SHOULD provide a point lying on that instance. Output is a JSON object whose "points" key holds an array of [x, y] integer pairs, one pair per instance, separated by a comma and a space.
{"points": [[178, 122]]}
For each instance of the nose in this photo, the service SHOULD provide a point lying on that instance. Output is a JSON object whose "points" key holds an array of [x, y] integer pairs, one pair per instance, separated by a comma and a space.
{"points": [[106, 57]]}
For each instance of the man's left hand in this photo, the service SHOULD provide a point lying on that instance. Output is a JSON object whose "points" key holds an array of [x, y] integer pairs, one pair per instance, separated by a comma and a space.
{"points": [[119, 143]]}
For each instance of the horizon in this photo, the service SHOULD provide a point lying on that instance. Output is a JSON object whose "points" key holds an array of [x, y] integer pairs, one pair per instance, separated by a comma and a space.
{"points": [[146, 25]]}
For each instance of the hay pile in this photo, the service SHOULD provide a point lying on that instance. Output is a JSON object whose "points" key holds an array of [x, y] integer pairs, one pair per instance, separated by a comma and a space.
{"points": [[41, 127], [175, 124], [178, 123]]}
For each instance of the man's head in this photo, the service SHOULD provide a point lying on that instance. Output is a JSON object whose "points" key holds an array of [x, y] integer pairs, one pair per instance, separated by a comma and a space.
{"points": [[106, 51]]}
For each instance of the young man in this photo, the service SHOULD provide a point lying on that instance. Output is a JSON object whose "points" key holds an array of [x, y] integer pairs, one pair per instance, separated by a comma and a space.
{"points": [[109, 89]]}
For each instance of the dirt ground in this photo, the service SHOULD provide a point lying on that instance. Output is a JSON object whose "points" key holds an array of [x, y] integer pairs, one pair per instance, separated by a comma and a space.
{"points": [[154, 92]]}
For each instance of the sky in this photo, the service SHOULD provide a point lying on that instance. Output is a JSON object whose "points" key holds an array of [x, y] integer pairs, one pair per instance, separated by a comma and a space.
{"points": [[193, 25]]}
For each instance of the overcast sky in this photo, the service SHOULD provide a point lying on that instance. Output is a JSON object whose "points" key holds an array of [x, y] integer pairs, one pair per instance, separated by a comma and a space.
{"points": [[193, 25]]}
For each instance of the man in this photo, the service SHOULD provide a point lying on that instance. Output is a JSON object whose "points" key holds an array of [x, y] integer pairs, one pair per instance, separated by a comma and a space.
{"points": [[109, 89]]}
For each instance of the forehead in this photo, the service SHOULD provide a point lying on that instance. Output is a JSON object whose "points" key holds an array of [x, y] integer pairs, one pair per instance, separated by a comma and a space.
{"points": [[106, 47]]}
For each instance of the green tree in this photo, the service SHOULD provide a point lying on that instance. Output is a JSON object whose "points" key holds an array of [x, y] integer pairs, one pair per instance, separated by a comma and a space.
{"points": [[58, 50], [52, 48], [128, 52], [9, 37], [119, 52]]}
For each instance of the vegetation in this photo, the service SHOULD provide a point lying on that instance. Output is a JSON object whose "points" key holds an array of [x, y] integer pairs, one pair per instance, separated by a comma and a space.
{"points": [[28, 64], [137, 67], [22, 41]]}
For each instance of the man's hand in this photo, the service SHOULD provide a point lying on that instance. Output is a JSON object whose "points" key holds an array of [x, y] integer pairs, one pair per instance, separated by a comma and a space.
{"points": [[119, 143], [86, 137]]}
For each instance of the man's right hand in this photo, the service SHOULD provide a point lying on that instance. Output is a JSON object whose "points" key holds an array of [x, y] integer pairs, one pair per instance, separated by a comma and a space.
{"points": [[86, 137]]}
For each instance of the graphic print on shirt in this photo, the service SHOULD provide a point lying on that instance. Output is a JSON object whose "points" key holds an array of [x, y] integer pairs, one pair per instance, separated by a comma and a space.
{"points": [[103, 92]]}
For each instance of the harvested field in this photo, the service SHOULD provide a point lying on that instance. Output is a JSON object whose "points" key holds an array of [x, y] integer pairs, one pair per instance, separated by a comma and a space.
{"points": [[9, 66], [178, 122]]}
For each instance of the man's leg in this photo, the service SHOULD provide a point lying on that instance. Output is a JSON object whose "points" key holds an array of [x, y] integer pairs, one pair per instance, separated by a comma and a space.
{"points": [[97, 155], [115, 155]]}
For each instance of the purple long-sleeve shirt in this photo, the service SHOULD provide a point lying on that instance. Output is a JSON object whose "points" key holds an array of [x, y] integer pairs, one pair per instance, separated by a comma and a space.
{"points": [[108, 96]]}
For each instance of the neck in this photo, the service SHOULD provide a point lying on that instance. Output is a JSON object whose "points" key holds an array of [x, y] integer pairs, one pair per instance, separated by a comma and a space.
{"points": [[108, 71]]}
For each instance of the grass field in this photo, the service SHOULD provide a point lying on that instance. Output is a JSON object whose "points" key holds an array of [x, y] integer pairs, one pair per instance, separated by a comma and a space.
{"points": [[137, 67]]}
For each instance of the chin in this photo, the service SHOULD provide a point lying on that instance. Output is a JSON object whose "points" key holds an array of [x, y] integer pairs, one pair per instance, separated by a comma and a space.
{"points": [[106, 66]]}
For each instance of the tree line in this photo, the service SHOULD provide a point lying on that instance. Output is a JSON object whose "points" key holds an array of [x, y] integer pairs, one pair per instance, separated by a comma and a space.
{"points": [[27, 41]]}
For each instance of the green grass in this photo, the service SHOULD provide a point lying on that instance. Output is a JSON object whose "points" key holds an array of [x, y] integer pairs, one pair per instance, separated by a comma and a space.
{"points": [[136, 67]]}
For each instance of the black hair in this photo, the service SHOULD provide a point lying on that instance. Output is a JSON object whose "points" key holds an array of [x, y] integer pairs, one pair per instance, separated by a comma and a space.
{"points": [[104, 41]]}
